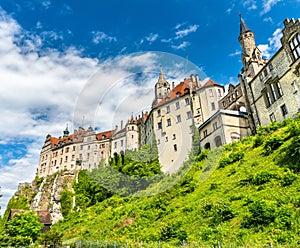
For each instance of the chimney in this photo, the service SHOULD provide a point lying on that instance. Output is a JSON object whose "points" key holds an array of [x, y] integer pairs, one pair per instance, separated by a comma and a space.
{"points": [[121, 124], [116, 127], [193, 78], [198, 82], [173, 85]]}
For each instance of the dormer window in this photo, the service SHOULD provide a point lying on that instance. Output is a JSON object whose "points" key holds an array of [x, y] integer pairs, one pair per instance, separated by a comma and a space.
{"points": [[295, 46]]}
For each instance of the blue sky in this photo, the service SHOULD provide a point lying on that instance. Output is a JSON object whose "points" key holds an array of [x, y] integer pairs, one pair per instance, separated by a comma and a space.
{"points": [[50, 49]]}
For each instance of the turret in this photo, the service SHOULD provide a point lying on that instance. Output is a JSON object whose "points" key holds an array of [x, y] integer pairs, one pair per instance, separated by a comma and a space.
{"points": [[251, 55], [162, 87]]}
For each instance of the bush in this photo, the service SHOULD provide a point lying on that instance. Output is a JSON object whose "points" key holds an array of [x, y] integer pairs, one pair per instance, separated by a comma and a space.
{"points": [[173, 231], [66, 202], [233, 157], [272, 144], [288, 179], [217, 212], [261, 214], [262, 178]]}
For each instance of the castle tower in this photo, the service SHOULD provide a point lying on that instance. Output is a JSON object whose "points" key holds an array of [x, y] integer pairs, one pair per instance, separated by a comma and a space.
{"points": [[251, 55], [162, 87]]}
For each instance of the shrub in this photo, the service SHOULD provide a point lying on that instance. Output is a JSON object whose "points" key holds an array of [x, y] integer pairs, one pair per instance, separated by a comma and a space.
{"points": [[258, 141], [272, 144], [233, 157], [66, 202], [262, 178], [173, 231], [288, 179], [261, 214]]}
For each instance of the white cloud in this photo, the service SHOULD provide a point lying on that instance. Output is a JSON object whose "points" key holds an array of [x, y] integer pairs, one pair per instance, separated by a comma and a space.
{"points": [[236, 53], [182, 45], [151, 37], [99, 36], [274, 44], [43, 89], [268, 19], [184, 32], [250, 4], [267, 5]]}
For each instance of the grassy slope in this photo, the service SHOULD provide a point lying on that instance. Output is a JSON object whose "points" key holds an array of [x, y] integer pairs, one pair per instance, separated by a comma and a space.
{"points": [[208, 208]]}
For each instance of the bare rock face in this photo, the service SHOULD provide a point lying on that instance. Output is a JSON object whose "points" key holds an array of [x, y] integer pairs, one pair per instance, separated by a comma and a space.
{"points": [[48, 193]]}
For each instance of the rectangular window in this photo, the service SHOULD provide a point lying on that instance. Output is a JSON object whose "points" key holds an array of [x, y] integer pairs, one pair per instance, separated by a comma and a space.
{"points": [[177, 105], [168, 109], [159, 125], [265, 72], [205, 133], [166, 138], [168, 122], [295, 46], [189, 114], [279, 89], [211, 92], [89, 147], [158, 112], [178, 117], [267, 98], [158, 141], [273, 92], [67, 149], [74, 148], [81, 147], [213, 107], [284, 110], [187, 101], [115, 145], [73, 157], [261, 77], [215, 125], [270, 67], [174, 136], [272, 117], [88, 155], [80, 156], [175, 148], [219, 93], [121, 143]]}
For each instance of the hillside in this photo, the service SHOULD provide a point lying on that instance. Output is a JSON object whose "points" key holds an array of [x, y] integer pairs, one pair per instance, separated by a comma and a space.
{"points": [[244, 194]]}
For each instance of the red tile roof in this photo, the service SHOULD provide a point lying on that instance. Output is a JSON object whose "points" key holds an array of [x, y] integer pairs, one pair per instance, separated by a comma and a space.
{"points": [[105, 135], [183, 88]]}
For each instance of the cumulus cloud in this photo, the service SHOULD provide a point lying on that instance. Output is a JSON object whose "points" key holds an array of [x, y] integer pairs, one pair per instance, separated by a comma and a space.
{"points": [[268, 5], [274, 44], [43, 89], [99, 36]]}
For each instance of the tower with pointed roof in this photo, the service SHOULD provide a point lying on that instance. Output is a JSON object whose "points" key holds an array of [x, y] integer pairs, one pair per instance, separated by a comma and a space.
{"points": [[162, 87], [251, 55]]}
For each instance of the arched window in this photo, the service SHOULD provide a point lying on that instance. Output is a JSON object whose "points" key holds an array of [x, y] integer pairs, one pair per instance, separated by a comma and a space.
{"points": [[295, 46], [207, 146], [218, 141]]}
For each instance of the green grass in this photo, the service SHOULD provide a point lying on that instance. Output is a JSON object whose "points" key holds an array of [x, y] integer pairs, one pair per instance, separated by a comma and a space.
{"points": [[244, 195]]}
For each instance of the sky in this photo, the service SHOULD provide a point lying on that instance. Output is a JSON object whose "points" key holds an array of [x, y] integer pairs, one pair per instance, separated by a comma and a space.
{"points": [[61, 59]]}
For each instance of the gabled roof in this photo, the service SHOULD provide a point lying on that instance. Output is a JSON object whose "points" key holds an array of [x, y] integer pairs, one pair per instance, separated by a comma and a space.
{"points": [[211, 83]]}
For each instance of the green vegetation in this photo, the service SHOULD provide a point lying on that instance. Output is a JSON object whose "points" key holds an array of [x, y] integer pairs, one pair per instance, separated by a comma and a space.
{"points": [[22, 230], [245, 194]]}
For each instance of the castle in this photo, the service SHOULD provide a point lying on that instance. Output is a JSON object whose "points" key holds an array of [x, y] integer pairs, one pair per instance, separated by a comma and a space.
{"points": [[267, 91]]}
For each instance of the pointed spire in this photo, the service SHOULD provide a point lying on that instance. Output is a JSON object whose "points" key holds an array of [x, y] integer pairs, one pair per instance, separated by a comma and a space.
{"points": [[161, 76], [243, 26], [66, 132]]}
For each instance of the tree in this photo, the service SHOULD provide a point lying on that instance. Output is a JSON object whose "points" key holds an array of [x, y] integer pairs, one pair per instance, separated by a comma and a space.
{"points": [[23, 229]]}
